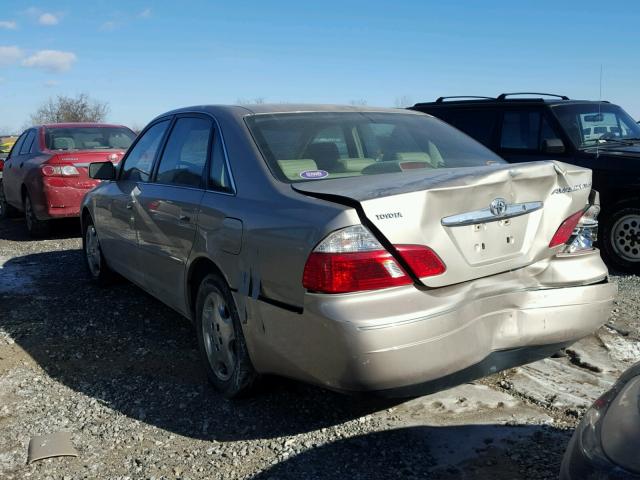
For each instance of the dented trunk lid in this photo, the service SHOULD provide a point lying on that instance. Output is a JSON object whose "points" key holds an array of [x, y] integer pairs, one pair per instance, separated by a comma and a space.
{"points": [[459, 213]]}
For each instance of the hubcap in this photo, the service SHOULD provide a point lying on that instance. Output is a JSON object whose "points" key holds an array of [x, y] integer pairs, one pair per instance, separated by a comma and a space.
{"points": [[625, 237], [92, 250], [219, 336]]}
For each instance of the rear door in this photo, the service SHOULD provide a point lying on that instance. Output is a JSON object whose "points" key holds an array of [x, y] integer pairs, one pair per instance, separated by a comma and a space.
{"points": [[167, 212], [118, 207]]}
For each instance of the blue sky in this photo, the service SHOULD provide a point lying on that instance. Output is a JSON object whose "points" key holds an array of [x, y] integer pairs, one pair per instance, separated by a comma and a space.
{"points": [[144, 58]]}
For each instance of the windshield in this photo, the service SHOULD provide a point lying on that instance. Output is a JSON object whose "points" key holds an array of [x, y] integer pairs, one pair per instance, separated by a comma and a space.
{"points": [[310, 146], [88, 138], [591, 124]]}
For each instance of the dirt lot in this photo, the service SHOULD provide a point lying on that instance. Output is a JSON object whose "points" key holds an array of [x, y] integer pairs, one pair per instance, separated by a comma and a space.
{"points": [[120, 372]]}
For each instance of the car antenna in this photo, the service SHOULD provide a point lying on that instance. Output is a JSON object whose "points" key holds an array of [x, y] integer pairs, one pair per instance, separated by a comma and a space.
{"points": [[599, 112]]}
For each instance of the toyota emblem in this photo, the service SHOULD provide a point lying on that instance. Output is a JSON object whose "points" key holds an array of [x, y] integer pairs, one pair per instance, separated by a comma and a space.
{"points": [[498, 207]]}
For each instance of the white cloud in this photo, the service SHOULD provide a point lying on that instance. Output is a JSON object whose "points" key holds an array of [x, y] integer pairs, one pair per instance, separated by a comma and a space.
{"points": [[51, 60], [10, 54], [48, 19], [51, 83], [8, 24], [146, 13], [109, 25]]}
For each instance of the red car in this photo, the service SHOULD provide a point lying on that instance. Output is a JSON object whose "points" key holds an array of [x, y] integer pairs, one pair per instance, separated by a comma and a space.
{"points": [[46, 172]]}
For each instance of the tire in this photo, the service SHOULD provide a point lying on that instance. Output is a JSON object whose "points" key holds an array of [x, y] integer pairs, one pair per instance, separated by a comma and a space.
{"points": [[37, 228], [6, 210], [619, 240], [94, 259], [220, 339], [4, 206]]}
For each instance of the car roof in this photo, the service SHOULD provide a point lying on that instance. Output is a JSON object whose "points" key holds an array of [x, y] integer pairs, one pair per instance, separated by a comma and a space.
{"points": [[79, 124], [503, 100], [267, 108]]}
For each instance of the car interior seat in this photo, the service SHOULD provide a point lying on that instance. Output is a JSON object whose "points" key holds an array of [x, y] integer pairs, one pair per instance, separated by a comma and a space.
{"points": [[63, 143], [325, 154]]}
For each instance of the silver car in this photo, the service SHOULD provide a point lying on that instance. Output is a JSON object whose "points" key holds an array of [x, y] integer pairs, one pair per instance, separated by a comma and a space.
{"points": [[605, 444], [360, 249]]}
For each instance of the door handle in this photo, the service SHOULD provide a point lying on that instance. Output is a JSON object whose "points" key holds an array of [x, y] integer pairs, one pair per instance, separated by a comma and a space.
{"points": [[129, 205], [184, 218]]}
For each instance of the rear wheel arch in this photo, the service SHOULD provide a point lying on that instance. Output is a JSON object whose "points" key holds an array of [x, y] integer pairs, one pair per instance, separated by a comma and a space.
{"points": [[198, 270]]}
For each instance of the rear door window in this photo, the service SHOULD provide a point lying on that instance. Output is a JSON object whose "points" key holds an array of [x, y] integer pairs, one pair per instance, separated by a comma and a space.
{"points": [[479, 124], [139, 162], [184, 157], [28, 141], [219, 175]]}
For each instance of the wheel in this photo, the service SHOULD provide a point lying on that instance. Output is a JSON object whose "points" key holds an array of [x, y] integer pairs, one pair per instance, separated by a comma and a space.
{"points": [[620, 238], [97, 266], [36, 228], [220, 339]]}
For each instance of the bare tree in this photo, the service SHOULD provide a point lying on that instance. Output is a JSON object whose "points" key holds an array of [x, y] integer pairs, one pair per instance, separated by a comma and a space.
{"points": [[403, 102], [255, 101], [361, 102], [81, 108]]}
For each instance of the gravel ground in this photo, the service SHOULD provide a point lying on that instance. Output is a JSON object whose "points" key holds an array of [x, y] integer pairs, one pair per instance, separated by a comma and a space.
{"points": [[120, 372]]}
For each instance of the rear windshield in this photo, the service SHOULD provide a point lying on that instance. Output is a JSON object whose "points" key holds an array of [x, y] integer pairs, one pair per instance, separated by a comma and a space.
{"points": [[311, 146], [88, 138]]}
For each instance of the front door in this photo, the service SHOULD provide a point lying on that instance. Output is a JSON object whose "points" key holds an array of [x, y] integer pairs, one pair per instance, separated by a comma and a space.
{"points": [[522, 135], [168, 206]]}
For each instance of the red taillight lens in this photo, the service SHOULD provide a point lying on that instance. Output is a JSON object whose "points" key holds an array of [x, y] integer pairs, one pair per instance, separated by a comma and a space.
{"points": [[372, 270], [423, 261], [59, 171], [565, 230], [352, 272], [1, 164], [352, 260]]}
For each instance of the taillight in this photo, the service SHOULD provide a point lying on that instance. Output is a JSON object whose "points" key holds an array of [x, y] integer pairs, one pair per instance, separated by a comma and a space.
{"points": [[423, 261], [352, 260], [59, 171], [1, 164], [565, 229]]}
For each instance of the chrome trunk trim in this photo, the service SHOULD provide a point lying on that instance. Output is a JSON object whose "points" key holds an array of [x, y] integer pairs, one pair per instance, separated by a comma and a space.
{"points": [[485, 215]]}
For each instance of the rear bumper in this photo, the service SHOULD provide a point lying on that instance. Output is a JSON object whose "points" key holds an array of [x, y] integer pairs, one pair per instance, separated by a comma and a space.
{"points": [[406, 341], [62, 197]]}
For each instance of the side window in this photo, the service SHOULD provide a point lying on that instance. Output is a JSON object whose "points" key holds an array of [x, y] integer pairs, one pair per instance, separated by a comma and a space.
{"points": [[478, 124], [521, 130], [28, 141], [15, 150], [219, 178], [35, 145], [185, 155], [138, 164]]}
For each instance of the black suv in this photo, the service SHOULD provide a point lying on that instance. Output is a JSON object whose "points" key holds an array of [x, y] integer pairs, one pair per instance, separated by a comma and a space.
{"points": [[597, 135]]}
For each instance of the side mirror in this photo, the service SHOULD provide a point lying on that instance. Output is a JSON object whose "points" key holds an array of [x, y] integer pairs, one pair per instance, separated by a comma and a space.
{"points": [[553, 145], [102, 171]]}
